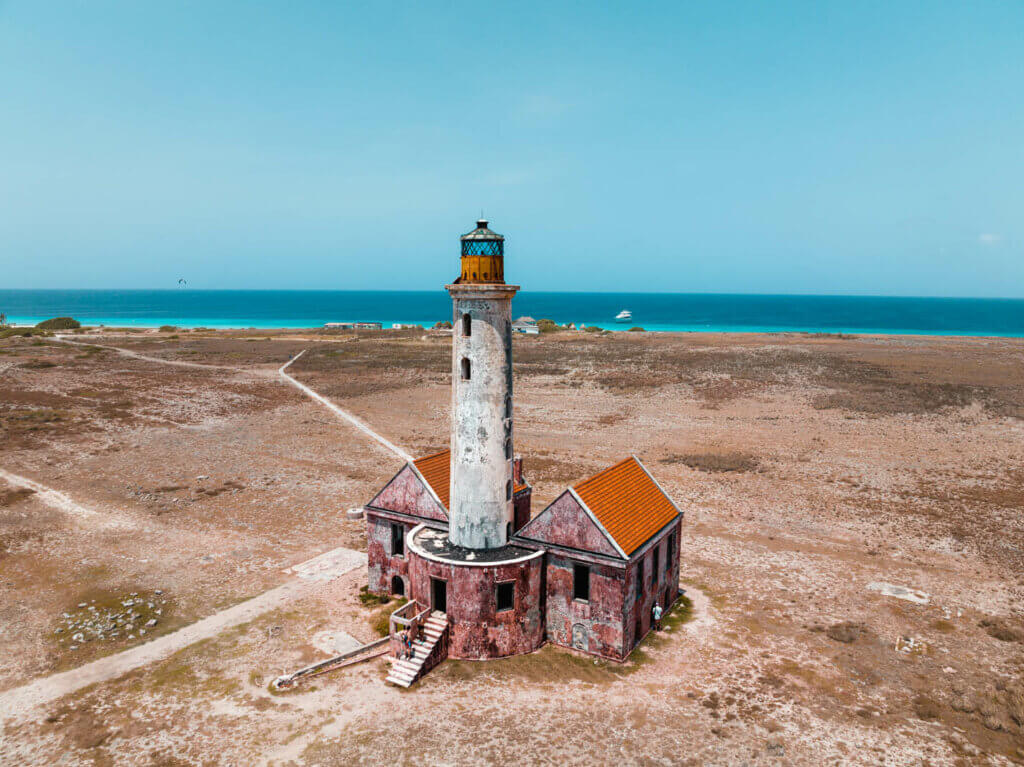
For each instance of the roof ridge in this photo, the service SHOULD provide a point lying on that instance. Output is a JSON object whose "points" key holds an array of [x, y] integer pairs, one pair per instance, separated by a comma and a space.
{"points": [[606, 470]]}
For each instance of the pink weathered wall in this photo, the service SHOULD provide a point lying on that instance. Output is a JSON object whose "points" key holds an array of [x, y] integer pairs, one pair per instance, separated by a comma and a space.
{"points": [[381, 564], [565, 523], [521, 508], [654, 587], [478, 631], [407, 494], [598, 623]]}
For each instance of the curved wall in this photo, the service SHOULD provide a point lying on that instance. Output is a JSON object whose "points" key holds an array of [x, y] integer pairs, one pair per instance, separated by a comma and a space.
{"points": [[478, 631]]}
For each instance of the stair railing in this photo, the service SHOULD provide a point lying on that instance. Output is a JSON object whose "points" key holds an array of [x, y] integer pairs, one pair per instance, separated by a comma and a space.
{"points": [[409, 616]]}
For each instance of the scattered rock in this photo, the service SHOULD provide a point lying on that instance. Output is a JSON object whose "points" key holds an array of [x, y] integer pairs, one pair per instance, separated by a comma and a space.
{"points": [[845, 632], [1001, 630]]}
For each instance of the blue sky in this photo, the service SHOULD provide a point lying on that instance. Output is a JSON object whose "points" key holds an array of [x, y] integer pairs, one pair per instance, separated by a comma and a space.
{"points": [[867, 148]]}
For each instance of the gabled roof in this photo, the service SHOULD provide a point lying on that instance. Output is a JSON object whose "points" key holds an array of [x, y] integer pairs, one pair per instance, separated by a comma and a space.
{"points": [[436, 470], [627, 502]]}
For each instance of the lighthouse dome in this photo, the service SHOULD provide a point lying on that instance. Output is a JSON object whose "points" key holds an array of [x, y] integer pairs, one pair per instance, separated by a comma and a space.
{"points": [[483, 253]]}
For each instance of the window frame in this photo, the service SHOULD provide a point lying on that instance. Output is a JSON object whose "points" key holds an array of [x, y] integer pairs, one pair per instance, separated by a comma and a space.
{"points": [[576, 569], [400, 538], [497, 596]]}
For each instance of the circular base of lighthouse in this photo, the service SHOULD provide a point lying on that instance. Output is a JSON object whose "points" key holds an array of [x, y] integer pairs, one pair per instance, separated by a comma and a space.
{"points": [[492, 597]]}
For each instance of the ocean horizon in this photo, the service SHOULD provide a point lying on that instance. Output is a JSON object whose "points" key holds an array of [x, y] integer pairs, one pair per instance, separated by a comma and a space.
{"points": [[674, 312]]}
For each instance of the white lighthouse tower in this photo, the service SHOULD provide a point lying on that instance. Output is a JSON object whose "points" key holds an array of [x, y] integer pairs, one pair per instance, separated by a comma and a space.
{"points": [[480, 511]]}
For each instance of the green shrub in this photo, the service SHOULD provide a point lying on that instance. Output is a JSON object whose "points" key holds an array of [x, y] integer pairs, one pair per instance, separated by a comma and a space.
{"points": [[23, 332], [168, 328], [443, 325], [592, 329], [59, 323], [637, 330], [369, 599], [548, 326]]}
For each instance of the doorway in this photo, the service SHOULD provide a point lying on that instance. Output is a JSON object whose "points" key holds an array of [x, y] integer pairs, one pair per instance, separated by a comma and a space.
{"points": [[438, 595]]}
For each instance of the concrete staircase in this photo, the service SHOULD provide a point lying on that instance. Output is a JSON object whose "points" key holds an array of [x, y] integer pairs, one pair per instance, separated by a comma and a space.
{"points": [[405, 671]]}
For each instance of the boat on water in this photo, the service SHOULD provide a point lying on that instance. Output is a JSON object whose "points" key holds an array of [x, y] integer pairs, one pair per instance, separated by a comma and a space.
{"points": [[624, 316]]}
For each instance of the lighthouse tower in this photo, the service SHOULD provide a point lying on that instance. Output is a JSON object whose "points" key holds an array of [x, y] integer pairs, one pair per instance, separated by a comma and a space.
{"points": [[481, 512]]}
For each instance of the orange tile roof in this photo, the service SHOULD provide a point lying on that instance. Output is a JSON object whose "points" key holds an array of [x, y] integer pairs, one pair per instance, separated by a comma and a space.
{"points": [[627, 503], [436, 469]]}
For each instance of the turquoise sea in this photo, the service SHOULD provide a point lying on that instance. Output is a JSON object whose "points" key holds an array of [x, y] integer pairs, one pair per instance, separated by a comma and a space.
{"points": [[651, 311]]}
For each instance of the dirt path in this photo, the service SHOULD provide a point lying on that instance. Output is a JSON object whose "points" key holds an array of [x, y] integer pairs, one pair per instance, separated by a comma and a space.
{"points": [[136, 355], [15, 703], [344, 415], [58, 500]]}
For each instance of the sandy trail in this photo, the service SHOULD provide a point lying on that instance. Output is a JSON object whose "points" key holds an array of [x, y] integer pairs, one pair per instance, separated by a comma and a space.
{"points": [[48, 495], [136, 355], [58, 500], [343, 414], [15, 703]]}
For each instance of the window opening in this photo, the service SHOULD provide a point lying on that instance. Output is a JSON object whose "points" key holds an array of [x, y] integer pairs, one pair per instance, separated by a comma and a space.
{"points": [[506, 596], [581, 583]]}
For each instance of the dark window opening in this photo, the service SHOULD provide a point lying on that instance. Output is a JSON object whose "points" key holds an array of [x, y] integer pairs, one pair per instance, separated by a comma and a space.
{"points": [[467, 325], [485, 275], [474, 275], [508, 448], [397, 540], [508, 490], [508, 407], [465, 368], [506, 596], [508, 531], [639, 631], [640, 580], [398, 586], [655, 572], [671, 551], [581, 583]]}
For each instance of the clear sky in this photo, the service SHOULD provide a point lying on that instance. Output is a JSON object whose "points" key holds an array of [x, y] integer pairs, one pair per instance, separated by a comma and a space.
{"points": [[768, 147]]}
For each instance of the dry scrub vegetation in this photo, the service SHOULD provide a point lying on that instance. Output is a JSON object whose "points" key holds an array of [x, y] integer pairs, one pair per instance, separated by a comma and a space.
{"points": [[809, 468]]}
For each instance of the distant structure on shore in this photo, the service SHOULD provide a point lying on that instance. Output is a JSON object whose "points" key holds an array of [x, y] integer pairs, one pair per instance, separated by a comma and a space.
{"points": [[353, 325], [526, 325], [452, 531]]}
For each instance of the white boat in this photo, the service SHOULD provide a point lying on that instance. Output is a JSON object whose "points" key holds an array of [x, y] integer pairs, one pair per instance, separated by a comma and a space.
{"points": [[624, 316]]}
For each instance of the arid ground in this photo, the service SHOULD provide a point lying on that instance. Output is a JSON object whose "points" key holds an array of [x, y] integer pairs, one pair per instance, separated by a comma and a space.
{"points": [[812, 470]]}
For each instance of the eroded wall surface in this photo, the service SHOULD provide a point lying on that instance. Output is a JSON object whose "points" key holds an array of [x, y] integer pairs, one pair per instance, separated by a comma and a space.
{"points": [[478, 629], [381, 562], [661, 586], [407, 494], [565, 523], [596, 626]]}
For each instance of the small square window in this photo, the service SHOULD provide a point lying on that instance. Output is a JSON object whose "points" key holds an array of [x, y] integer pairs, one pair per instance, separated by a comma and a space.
{"points": [[506, 596]]}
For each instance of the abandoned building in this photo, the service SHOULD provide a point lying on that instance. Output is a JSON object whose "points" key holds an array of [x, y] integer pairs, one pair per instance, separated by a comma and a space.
{"points": [[453, 531]]}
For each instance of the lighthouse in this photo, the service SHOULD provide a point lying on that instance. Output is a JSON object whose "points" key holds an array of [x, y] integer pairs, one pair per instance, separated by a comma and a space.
{"points": [[452, 531], [481, 475]]}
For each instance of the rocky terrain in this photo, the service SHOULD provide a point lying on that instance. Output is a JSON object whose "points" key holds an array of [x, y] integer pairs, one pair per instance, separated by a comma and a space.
{"points": [[853, 546]]}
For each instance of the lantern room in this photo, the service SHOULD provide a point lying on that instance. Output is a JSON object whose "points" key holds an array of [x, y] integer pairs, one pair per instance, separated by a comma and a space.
{"points": [[483, 255]]}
